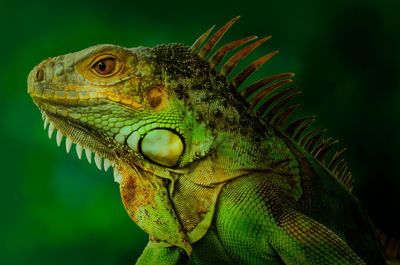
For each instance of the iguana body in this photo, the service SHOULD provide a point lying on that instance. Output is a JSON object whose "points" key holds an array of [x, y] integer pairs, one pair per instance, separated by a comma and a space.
{"points": [[199, 170]]}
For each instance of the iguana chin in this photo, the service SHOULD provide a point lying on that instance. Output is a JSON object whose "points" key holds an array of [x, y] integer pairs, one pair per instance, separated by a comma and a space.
{"points": [[208, 169]]}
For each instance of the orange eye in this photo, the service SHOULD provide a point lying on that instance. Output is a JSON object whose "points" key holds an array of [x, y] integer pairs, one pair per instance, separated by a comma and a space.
{"points": [[105, 66]]}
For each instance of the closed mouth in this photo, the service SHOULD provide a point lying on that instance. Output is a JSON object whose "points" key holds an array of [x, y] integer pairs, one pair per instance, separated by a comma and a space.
{"points": [[84, 140]]}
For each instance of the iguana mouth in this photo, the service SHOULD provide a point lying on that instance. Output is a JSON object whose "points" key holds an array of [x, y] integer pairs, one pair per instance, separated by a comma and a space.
{"points": [[84, 139]]}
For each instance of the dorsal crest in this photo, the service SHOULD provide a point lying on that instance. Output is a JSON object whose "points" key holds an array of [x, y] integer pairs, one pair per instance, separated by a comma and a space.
{"points": [[268, 98]]}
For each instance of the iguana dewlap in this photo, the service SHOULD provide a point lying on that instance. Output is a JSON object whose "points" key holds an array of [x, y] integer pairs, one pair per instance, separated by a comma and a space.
{"points": [[213, 175]]}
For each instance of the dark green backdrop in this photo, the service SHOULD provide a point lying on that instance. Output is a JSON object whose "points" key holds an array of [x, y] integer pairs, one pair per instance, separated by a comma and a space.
{"points": [[56, 209]]}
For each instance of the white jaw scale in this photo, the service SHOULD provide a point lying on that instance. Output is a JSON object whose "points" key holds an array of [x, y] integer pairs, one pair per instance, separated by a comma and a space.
{"points": [[79, 149]]}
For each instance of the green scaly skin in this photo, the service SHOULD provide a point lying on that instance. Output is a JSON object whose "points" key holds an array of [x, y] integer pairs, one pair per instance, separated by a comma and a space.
{"points": [[198, 170]]}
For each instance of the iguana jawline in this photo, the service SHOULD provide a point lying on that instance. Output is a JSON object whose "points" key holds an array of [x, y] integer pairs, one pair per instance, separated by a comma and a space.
{"points": [[84, 140]]}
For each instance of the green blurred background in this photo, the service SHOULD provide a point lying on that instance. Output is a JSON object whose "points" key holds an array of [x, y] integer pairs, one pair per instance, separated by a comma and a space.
{"points": [[56, 209]]}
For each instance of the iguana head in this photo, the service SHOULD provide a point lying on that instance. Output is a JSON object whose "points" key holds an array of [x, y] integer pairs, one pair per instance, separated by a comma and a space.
{"points": [[121, 104]]}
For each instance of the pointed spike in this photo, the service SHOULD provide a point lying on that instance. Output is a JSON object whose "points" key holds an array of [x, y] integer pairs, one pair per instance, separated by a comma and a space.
{"points": [[59, 137], [338, 165], [343, 175], [243, 75], [79, 150], [46, 122], [339, 173], [68, 144], [232, 62], [220, 54], [335, 158], [322, 144], [246, 92], [264, 106], [107, 164], [292, 127], [324, 151], [215, 38], [279, 105], [97, 160], [348, 175], [351, 183], [302, 130], [305, 138], [117, 176], [313, 140], [265, 91], [196, 45], [51, 129], [43, 115], [88, 155], [349, 180], [346, 179], [280, 119]]}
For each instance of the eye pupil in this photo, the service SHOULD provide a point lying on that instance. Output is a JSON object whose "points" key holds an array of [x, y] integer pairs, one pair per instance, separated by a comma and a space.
{"points": [[102, 66], [105, 66]]}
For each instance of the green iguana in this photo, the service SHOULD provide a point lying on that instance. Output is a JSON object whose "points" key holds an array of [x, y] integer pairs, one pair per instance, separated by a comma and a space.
{"points": [[213, 172]]}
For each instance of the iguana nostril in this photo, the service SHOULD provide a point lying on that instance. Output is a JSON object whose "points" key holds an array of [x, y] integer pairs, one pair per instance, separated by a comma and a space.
{"points": [[39, 74]]}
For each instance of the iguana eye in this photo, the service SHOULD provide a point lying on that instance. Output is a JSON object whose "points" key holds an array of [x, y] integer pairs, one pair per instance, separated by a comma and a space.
{"points": [[106, 66]]}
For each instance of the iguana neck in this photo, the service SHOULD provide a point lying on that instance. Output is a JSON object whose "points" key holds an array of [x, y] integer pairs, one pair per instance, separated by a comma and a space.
{"points": [[239, 152]]}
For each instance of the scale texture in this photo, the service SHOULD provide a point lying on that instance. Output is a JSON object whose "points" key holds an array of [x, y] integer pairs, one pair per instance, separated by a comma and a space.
{"points": [[214, 172]]}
